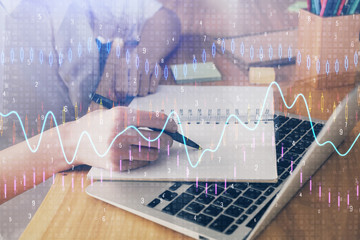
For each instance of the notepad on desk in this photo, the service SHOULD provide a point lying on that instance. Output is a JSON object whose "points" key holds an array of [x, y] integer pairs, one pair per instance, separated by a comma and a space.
{"points": [[199, 72], [229, 150]]}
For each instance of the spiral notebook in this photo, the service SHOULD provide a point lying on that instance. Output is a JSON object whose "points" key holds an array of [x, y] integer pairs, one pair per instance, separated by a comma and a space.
{"points": [[231, 151]]}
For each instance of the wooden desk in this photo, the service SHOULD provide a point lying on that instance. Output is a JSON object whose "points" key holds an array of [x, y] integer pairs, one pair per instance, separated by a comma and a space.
{"points": [[69, 213]]}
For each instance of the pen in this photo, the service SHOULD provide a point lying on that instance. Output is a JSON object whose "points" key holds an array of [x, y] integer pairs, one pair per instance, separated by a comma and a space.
{"points": [[346, 8], [323, 7], [179, 138], [341, 7], [313, 8], [175, 136], [317, 7], [353, 7], [329, 7], [335, 10]]}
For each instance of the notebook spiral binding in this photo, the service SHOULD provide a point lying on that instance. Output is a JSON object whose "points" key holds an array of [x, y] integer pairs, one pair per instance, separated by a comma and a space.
{"points": [[218, 116]]}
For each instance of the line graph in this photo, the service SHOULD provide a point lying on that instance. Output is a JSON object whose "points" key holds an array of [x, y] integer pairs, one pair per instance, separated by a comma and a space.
{"points": [[85, 133]]}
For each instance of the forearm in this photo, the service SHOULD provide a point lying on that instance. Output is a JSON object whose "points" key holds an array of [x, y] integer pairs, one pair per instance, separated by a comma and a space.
{"points": [[22, 169]]}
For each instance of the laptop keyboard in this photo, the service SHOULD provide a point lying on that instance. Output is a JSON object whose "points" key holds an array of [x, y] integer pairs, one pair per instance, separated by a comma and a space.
{"points": [[224, 206]]}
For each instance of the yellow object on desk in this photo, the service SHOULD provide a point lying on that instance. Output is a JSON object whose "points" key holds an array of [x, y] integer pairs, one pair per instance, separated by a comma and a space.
{"points": [[261, 75]]}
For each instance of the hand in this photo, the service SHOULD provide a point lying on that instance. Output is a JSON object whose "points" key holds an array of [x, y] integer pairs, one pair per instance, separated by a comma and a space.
{"points": [[130, 148], [156, 42], [137, 76], [130, 74]]}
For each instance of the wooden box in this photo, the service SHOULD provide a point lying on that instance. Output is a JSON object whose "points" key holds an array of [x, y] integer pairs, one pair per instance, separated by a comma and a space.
{"points": [[328, 50]]}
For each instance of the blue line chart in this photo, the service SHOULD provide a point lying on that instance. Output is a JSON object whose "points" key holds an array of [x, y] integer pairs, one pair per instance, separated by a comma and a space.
{"points": [[257, 122]]}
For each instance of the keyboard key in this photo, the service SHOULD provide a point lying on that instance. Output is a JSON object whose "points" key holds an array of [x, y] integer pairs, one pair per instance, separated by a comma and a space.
{"points": [[280, 170], [243, 202], [231, 229], [222, 201], [260, 200], [195, 190], [278, 183], [242, 219], [213, 210], [179, 202], [294, 165], [304, 143], [294, 136], [285, 175], [291, 156], [200, 219], [257, 217], [304, 126], [252, 193], [215, 190], [251, 209], [194, 207], [308, 137], [259, 186], [232, 192], [154, 202], [318, 128], [187, 216], [168, 196], [283, 163], [292, 123], [175, 186], [269, 191], [234, 211], [280, 150], [203, 220], [280, 134], [221, 184], [221, 223], [240, 186], [205, 198], [286, 143], [279, 121], [203, 184], [296, 149], [285, 130]]}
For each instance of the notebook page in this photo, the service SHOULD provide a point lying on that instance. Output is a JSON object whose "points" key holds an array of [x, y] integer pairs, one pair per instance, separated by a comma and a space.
{"points": [[229, 151]]}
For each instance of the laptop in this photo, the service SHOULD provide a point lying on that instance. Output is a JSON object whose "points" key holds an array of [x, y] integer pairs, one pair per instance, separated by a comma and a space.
{"points": [[237, 210]]}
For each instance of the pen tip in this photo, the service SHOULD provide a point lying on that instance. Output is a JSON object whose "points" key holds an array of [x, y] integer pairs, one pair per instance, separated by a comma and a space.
{"points": [[200, 148]]}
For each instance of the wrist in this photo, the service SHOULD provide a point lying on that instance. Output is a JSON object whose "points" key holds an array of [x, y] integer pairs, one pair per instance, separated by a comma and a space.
{"points": [[69, 139]]}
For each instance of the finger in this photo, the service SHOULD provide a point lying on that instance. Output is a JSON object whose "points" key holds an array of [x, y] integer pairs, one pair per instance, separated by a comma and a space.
{"points": [[144, 84], [122, 79], [133, 80], [125, 165], [106, 84], [151, 140], [155, 79], [94, 106]]}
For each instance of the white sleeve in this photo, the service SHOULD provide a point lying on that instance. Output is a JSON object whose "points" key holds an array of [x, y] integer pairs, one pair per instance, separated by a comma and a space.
{"points": [[75, 43]]}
